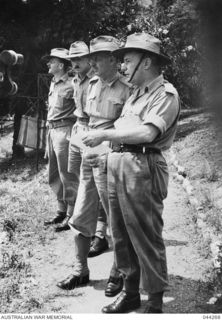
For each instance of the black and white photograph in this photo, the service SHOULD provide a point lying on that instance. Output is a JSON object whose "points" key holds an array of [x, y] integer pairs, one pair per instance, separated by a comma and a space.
{"points": [[110, 159]]}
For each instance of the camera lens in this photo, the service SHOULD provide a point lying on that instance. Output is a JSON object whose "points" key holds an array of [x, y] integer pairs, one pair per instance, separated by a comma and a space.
{"points": [[10, 57]]}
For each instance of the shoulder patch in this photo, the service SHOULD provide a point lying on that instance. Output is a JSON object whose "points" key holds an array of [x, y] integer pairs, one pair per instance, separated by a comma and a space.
{"points": [[94, 79], [170, 88]]}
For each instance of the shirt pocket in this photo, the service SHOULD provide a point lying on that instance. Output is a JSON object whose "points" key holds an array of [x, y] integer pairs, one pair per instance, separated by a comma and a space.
{"points": [[65, 94], [139, 109], [91, 106], [112, 108], [64, 97]]}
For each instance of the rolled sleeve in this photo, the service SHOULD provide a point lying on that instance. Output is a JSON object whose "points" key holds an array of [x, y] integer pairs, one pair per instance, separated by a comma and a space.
{"points": [[163, 112]]}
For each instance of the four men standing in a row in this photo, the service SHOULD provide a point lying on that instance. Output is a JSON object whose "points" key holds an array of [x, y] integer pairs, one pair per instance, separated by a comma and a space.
{"points": [[130, 183]]}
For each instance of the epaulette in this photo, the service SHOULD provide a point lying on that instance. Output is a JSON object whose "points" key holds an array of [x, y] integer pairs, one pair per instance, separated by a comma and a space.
{"points": [[124, 80], [94, 79], [170, 88]]}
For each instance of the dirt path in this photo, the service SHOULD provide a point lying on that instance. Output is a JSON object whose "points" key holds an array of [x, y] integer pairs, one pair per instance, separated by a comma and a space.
{"points": [[26, 198], [188, 292]]}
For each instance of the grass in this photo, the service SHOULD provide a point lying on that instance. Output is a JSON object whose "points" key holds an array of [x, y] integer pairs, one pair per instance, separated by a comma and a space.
{"points": [[198, 148], [209, 172], [3, 191], [211, 212], [14, 269], [207, 198], [13, 261], [214, 220], [25, 200]]}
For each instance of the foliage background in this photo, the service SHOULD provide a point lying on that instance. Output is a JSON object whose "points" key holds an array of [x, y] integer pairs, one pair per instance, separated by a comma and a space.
{"points": [[33, 27]]}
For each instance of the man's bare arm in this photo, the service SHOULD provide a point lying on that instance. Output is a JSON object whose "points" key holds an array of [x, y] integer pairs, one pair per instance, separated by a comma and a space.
{"points": [[139, 134]]}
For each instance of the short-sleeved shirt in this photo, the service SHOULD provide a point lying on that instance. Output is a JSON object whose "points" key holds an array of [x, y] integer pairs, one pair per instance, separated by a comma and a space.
{"points": [[60, 99], [80, 87], [105, 101], [158, 104]]}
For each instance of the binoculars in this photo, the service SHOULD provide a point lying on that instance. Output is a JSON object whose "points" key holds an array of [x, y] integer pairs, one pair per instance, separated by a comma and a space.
{"points": [[8, 58]]}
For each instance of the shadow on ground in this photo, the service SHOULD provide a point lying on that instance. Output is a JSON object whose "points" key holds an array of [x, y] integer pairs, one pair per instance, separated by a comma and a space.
{"points": [[186, 113], [184, 296], [185, 129], [17, 166], [189, 296], [175, 243]]}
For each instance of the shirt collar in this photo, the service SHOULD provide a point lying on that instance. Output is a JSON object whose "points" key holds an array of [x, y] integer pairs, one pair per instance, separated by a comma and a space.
{"points": [[62, 78], [111, 82], [88, 75], [152, 86], [156, 83]]}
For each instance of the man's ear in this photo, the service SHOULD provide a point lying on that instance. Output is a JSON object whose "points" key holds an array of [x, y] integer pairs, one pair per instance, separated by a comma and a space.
{"points": [[147, 63], [113, 59], [61, 65]]}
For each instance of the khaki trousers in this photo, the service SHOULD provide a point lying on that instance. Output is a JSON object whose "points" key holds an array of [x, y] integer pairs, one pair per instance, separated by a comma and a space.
{"points": [[92, 189], [60, 180], [74, 165], [137, 186]]}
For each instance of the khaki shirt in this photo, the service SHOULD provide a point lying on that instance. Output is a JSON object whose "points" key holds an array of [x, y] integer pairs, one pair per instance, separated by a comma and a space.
{"points": [[105, 101], [60, 99], [158, 104], [80, 87]]}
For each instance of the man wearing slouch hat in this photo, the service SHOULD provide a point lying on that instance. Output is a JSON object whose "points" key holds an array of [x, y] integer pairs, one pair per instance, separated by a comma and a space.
{"points": [[79, 57], [138, 174], [106, 95], [60, 120]]}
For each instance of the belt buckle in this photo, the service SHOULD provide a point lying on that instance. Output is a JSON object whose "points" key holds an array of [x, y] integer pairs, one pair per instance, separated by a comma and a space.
{"points": [[51, 126], [143, 149], [121, 147]]}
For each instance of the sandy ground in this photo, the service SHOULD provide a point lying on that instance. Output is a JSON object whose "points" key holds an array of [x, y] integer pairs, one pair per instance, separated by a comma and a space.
{"points": [[50, 255], [188, 293]]}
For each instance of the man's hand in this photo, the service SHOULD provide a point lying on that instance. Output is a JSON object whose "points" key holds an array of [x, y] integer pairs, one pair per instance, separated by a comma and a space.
{"points": [[92, 159], [93, 138]]}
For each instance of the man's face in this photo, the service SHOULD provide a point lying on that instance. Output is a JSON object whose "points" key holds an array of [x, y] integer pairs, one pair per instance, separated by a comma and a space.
{"points": [[54, 66], [101, 64], [131, 60], [80, 65]]}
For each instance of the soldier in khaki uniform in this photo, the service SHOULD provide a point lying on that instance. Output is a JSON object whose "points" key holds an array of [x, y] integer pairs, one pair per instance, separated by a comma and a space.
{"points": [[138, 174], [60, 120], [78, 54], [107, 93]]}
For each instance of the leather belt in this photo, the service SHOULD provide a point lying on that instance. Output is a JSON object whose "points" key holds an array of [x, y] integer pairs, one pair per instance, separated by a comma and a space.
{"points": [[60, 123], [83, 121], [135, 149]]}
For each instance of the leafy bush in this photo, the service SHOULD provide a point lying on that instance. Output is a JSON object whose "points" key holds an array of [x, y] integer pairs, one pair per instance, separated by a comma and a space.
{"points": [[35, 26], [175, 22]]}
